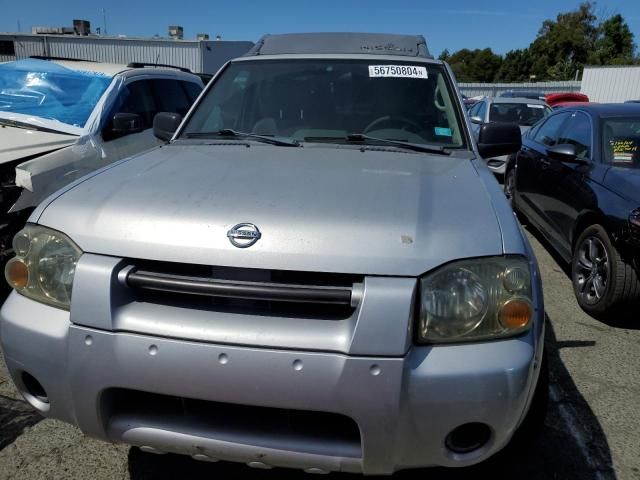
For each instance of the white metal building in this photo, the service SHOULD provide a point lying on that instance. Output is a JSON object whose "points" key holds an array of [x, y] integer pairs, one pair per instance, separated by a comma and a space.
{"points": [[197, 56], [611, 83]]}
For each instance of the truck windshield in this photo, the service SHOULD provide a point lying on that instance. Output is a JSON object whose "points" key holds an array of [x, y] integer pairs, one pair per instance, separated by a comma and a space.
{"points": [[326, 100], [47, 90]]}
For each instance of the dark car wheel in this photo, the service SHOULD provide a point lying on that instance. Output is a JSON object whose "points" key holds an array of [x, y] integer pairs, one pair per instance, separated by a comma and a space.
{"points": [[602, 281]]}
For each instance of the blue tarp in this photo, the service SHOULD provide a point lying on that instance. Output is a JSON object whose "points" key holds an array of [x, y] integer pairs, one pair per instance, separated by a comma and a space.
{"points": [[48, 90]]}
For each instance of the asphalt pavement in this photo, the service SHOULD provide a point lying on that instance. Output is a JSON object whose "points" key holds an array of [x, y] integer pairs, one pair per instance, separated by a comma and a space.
{"points": [[591, 431]]}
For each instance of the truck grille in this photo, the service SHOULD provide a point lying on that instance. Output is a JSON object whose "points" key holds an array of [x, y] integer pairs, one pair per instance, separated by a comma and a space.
{"points": [[254, 291], [320, 433]]}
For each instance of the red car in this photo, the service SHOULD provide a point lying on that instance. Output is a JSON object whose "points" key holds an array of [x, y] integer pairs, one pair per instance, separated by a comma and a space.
{"points": [[555, 100]]}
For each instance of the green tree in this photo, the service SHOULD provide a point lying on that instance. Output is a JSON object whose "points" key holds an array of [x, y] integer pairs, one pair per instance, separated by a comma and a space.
{"points": [[565, 45], [614, 45], [560, 50], [475, 65], [515, 66]]}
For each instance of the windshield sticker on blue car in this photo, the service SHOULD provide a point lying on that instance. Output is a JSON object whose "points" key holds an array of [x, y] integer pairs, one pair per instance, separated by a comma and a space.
{"points": [[442, 132], [399, 71]]}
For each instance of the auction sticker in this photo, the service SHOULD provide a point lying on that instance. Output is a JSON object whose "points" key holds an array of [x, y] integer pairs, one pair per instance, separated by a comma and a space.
{"points": [[624, 150], [442, 131], [401, 71]]}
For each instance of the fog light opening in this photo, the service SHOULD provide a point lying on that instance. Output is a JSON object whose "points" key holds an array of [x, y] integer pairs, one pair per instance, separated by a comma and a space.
{"points": [[468, 437], [35, 389]]}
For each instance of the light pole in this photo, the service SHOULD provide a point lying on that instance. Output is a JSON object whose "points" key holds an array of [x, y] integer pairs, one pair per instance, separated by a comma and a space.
{"points": [[104, 21]]}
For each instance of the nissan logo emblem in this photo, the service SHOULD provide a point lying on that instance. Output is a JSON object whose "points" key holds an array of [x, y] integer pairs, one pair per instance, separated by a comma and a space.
{"points": [[243, 235]]}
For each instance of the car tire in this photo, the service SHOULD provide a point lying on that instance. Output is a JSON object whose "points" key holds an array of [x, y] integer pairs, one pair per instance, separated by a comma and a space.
{"points": [[602, 281]]}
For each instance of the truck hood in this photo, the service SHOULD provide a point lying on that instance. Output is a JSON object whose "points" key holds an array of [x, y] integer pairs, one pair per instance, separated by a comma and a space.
{"points": [[19, 143], [330, 209], [625, 182]]}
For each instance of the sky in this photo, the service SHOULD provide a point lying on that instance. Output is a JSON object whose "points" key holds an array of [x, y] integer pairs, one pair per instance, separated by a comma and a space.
{"points": [[501, 25]]}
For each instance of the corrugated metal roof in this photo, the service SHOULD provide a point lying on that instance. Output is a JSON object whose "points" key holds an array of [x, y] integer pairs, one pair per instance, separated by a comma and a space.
{"points": [[28, 47], [122, 51], [197, 56], [611, 83], [106, 37]]}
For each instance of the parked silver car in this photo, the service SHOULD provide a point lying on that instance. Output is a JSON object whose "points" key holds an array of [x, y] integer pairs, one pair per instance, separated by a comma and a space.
{"points": [[318, 271], [523, 112], [61, 119]]}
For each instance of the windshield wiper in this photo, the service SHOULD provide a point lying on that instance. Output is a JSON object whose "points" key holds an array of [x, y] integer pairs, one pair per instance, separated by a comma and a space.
{"points": [[228, 132], [30, 126], [417, 147]]}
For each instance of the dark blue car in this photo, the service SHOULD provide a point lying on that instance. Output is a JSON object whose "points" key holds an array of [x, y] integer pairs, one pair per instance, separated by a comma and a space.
{"points": [[577, 180]]}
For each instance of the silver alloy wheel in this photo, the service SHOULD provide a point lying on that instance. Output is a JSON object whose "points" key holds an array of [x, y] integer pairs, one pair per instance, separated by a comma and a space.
{"points": [[592, 270]]}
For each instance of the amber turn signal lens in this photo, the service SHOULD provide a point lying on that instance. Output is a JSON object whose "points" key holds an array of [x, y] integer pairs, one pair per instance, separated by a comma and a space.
{"points": [[516, 314], [17, 274]]}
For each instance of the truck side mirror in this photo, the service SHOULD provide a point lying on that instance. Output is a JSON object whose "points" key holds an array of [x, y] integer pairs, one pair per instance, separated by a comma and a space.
{"points": [[564, 152], [165, 125], [127, 123], [496, 139]]}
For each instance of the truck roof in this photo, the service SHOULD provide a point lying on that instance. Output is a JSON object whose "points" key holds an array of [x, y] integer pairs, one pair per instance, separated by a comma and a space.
{"points": [[341, 43]]}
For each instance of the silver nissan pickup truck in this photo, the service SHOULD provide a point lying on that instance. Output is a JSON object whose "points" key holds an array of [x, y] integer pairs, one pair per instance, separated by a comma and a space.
{"points": [[316, 271]]}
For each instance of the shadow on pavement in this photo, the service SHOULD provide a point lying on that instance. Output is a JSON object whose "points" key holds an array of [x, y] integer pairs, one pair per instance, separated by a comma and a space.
{"points": [[15, 416], [571, 445]]}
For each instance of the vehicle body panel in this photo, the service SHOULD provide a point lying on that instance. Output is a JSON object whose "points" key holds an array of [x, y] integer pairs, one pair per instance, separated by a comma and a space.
{"points": [[416, 399], [17, 143], [560, 198], [376, 214], [404, 232], [41, 176], [532, 94], [564, 98], [498, 164], [624, 182], [558, 105]]}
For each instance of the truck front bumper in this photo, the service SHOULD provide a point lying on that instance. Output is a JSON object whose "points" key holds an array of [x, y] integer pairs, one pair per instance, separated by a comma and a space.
{"points": [[404, 407]]}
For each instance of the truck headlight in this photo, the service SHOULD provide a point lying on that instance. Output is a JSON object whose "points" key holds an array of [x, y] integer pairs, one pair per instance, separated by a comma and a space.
{"points": [[476, 299], [44, 265]]}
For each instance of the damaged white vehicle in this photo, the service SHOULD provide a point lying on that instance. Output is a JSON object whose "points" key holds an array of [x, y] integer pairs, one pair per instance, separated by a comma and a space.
{"points": [[62, 119]]}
